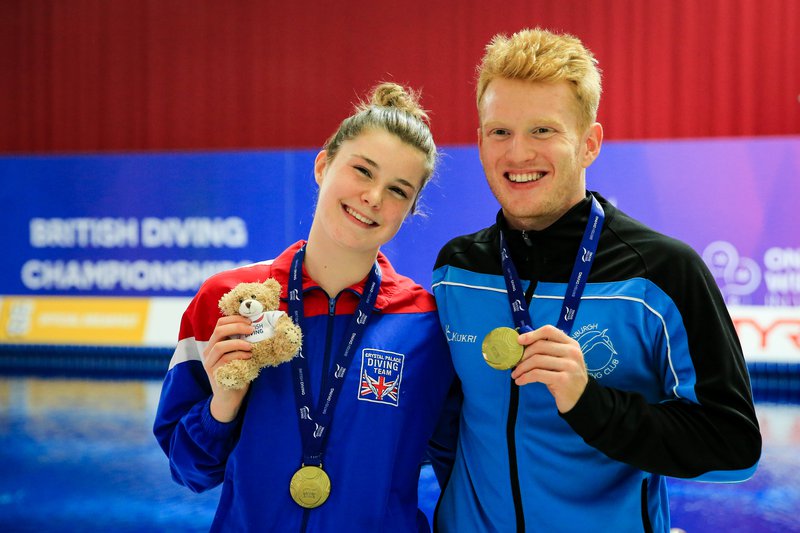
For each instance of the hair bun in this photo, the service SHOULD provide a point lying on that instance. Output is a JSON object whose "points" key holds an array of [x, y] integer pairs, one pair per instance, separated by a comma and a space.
{"points": [[388, 94]]}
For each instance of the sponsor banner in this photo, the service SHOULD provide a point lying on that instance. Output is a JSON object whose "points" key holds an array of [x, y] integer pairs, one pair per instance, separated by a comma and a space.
{"points": [[90, 320], [768, 334]]}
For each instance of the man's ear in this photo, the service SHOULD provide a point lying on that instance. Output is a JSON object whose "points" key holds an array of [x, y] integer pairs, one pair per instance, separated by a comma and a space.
{"points": [[320, 163], [592, 144]]}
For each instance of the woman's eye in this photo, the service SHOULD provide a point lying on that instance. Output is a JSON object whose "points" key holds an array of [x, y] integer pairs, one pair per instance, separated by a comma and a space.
{"points": [[399, 191], [364, 171]]}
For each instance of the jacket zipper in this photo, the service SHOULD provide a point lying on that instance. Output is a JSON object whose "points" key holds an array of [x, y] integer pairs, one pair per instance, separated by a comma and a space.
{"points": [[513, 406]]}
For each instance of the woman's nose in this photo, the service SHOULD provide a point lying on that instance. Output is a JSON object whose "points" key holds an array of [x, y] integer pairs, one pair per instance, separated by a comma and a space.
{"points": [[372, 197]]}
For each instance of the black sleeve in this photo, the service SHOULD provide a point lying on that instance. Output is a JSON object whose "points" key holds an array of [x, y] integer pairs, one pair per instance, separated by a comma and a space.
{"points": [[719, 434], [441, 450]]}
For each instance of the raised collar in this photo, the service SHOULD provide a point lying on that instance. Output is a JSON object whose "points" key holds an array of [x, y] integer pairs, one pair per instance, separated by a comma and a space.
{"points": [[389, 282], [559, 239]]}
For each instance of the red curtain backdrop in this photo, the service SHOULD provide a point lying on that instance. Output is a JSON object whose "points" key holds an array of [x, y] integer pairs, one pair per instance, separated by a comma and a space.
{"points": [[125, 75]]}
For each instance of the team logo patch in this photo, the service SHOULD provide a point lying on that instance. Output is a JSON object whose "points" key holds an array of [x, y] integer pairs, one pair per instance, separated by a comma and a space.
{"points": [[598, 351], [381, 374]]}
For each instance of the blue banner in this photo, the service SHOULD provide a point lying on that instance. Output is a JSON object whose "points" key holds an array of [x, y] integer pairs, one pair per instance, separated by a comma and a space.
{"points": [[159, 224]]}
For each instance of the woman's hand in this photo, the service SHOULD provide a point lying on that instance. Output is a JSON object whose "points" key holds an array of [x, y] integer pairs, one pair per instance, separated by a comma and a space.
{"points": [[221, 348]]}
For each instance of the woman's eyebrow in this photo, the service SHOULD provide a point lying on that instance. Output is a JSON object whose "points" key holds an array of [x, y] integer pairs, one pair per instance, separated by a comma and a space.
{"points": [[368, 160]]}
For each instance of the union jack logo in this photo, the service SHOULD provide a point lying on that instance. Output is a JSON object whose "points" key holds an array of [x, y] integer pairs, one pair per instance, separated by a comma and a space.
{"points": [[380, 388], [381, 376]]}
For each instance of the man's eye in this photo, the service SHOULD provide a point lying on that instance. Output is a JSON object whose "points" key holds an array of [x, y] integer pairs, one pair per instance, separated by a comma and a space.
{"points": [[543, 131], [499, 132]]}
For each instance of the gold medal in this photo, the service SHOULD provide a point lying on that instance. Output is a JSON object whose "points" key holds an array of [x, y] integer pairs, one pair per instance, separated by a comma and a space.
{"points": [[500, 348], [310, 487]]}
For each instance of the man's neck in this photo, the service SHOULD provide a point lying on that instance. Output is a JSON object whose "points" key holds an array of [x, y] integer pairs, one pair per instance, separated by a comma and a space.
{"points": [[543, 222]]}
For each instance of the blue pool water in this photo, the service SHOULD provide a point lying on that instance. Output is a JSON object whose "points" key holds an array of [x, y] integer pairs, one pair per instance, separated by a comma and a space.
{"points": [[80, 456]]}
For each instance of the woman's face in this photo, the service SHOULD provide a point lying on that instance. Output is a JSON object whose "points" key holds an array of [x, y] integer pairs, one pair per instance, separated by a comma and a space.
{"points": [[367, 190]]}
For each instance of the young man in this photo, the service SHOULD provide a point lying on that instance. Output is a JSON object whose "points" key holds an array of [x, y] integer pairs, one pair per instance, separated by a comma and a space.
{"points": [[627, 366]]}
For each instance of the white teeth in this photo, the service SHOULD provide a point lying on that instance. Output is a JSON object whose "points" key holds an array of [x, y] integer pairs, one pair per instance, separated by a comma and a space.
{"points": [[525, 178], [359, 217]]}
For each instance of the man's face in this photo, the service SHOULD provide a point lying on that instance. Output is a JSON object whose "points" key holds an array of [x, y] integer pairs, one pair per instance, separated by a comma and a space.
{"points": [[533, 151]]}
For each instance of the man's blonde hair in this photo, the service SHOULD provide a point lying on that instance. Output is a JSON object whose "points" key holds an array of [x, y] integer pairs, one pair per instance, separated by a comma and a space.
{"points": [[542, 56]]}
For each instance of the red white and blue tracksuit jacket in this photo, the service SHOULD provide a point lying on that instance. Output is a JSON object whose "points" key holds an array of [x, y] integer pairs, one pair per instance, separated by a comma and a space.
{"points": [[376, 444]]}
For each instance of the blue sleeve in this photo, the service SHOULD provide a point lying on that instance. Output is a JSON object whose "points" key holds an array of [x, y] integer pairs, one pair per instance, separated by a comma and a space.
{"points": [[196, 444]]}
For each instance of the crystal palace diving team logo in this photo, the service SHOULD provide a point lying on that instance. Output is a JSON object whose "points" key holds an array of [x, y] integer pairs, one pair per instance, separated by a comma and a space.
{"points": [[381, 375]]}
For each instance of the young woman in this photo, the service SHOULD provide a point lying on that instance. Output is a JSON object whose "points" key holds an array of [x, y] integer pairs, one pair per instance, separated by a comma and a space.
{"points": [[333, 440]]}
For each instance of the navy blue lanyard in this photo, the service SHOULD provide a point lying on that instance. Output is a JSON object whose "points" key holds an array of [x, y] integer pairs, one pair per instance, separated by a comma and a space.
{"points": [[577, 281], [315, 421]]}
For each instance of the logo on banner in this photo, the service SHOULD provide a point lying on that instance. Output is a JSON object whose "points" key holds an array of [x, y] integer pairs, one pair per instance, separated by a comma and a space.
{"points": [[598, 350], [738, 277], [381, 376]]}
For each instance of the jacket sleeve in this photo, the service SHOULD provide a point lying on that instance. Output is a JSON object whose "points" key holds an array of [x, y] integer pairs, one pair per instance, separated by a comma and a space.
{"points": [[196, 444], [441, 451], [707, 428]]}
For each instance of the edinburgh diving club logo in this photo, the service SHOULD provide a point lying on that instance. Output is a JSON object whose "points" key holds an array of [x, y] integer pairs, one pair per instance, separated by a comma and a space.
{"points": [[381, 375], [598, 351]]}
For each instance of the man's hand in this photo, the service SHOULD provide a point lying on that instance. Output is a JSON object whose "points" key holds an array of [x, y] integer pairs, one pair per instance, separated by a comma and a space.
{"points": [[552, 357]]}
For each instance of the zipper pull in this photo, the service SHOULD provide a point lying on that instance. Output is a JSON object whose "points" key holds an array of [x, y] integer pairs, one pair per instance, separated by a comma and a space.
{"points": [[526, 238]]}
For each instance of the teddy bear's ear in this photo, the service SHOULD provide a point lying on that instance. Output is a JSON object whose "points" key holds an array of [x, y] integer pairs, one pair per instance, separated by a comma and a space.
{"points": [[225, 303], [273, 285]]}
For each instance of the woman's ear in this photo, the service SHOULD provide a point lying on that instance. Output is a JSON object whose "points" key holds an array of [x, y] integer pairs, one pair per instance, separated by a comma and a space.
{"points": [[320, 163]]}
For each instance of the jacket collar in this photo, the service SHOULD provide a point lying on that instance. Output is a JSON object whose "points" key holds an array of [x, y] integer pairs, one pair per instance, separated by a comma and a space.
{"points": [[559, 240], [282, 264]]}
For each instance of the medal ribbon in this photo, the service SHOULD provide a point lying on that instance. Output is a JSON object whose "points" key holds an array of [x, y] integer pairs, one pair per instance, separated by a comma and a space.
{"points": [[315, 422], [577, 280]]}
